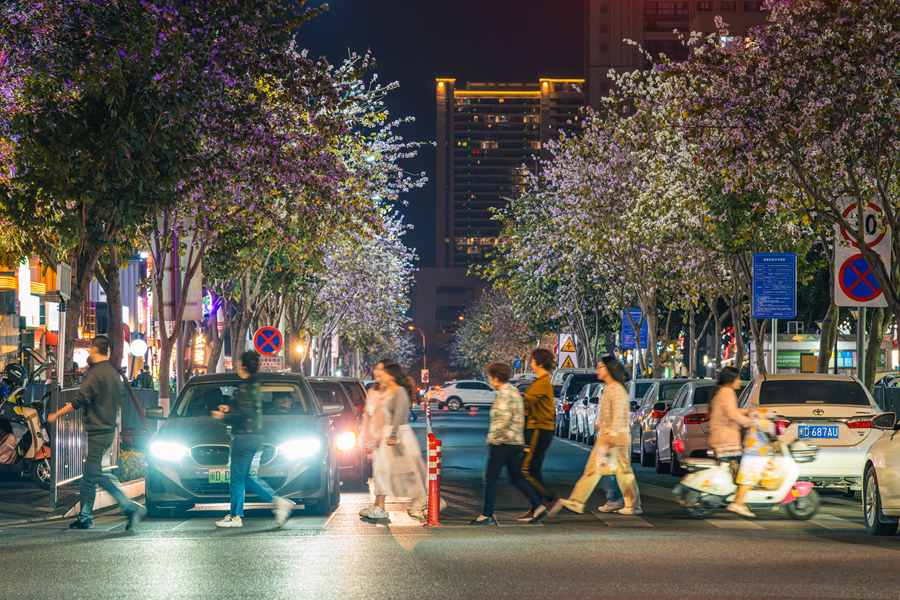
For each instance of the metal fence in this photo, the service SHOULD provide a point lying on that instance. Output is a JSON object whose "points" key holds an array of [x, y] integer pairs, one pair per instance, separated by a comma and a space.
{"points": [[130, 417], [69, 446]]}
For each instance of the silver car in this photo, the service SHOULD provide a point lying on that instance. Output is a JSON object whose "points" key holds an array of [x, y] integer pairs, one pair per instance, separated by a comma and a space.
{"points": [[833, 412], [591, 412], [577, 416], [646, 418]]}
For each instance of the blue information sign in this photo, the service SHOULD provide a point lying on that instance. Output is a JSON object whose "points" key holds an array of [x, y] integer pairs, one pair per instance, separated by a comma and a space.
{"points": [[628, 337], [774, 286]]}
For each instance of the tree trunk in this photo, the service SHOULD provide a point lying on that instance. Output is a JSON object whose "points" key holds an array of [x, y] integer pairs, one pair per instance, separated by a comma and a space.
{"points": [[758, 337], [737, 318], [828, 338], [717, 337], [216, 340], [107, 274], [873, 345]]}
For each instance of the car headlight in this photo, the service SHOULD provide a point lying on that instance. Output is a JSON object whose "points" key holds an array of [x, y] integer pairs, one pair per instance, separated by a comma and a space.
{"points": [[346, 441], [169, 451], [300, 448]]}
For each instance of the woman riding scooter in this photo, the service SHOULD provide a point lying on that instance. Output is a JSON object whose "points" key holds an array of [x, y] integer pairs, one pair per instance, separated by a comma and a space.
{"points": [[725, 423]]}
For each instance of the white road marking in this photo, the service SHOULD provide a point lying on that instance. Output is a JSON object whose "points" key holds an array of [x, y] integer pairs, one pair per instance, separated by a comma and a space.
{"points": [[832, 522], [197, 524], [733, 524], [616, 520]]}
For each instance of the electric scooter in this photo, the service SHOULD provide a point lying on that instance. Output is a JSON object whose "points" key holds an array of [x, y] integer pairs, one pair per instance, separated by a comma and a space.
{"points": [[24, 442], [709, 484]]}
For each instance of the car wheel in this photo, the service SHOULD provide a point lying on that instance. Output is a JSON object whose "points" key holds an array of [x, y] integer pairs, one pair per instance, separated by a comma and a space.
{"points": [[663, 468], [803, 508], [155, 512], [872, 507], [635, 456], [454, 403], [677, 469], [40, 473], [692, 506], [573, 432], [331, 499], [647, 460]]}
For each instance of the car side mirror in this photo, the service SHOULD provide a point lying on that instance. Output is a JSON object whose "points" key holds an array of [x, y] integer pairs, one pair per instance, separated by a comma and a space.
{"points": [[154, 413], [634, 405], [332, 410], [887, 421]]}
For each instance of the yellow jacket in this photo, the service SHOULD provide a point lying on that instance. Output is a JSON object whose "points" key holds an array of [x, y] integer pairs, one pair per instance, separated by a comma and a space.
{"points": [[540, 404]]}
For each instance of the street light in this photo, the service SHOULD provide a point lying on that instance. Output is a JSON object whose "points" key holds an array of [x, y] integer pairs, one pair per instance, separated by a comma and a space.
{"points": [[424, 359]]}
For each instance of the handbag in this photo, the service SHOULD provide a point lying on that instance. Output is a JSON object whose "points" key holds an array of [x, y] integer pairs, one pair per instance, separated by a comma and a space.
{"points": [[606, 461]]}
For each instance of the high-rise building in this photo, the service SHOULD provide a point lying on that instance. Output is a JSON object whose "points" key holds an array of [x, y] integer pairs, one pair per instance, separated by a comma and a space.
{"points": [[652, 24], [489, 136]]}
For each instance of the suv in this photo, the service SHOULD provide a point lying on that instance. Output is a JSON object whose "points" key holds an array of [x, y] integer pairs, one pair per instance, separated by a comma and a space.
{"points": [[571, 387], [457, 394], [559, 376]]}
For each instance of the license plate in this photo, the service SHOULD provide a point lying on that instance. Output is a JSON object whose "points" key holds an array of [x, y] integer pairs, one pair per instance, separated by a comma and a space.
{"points": [[818, 431], [221, 474]]}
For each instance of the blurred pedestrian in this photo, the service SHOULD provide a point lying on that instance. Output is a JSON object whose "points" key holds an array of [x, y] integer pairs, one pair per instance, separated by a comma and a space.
{"points": [[246, 420], [539, 428], [411, 385], [373, 420], [100, 396], [506, 443], [611, 454], [726, 421], [144, 380], [399, 468]]}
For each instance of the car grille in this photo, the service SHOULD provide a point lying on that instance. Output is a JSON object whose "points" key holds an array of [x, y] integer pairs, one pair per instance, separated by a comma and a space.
{"points": [[210, 456], [201, 487]]}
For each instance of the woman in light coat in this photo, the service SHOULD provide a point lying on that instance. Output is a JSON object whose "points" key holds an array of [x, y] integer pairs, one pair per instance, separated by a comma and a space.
{"points": [[373, 420]]}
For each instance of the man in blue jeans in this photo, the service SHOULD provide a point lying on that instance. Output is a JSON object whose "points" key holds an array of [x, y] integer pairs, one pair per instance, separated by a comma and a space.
{"points": [[100, 396], [245, 418]]}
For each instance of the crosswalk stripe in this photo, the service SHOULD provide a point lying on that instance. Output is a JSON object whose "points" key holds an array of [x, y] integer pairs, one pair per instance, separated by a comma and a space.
{"points": [[614, 520], [733, 524], [832, 522], [196, 524]]}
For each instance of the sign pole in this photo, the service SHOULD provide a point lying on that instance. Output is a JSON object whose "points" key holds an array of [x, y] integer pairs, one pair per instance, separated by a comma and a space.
{"points": [[774, 346], [861, 345]]}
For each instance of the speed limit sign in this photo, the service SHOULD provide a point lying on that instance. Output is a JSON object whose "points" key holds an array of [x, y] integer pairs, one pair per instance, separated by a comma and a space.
{"points": [[855, 282]]}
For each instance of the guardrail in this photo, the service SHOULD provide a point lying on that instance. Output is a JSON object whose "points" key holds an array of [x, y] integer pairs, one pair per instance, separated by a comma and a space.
{"points": [[68, 443]]}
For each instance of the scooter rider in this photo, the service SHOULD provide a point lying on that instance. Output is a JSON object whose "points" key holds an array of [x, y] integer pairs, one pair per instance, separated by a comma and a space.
{"points": [[725, 423]]}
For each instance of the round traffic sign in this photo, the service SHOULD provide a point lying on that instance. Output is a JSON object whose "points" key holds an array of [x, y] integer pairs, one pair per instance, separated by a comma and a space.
{"points": [[857, 279], [267, 341], [874, 224]]}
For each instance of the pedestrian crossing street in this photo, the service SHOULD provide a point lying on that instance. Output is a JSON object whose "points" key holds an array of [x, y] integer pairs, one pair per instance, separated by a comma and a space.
{"points": [[346, 521]]}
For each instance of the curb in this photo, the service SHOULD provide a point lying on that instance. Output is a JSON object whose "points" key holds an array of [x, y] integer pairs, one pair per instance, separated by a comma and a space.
{"points": [[132, 489]]}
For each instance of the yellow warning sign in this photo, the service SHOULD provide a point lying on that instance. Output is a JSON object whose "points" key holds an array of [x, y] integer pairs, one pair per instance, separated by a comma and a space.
{"points": [[568, 346], [567, 364]]}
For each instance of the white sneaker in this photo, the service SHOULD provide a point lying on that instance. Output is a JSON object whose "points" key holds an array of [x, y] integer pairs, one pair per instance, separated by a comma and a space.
{"points": [[282, 509], [573, 505], [629, 511], [377, 513], [416, 514], [230, 521], [365, 512], [611, 507], [740, 510]]}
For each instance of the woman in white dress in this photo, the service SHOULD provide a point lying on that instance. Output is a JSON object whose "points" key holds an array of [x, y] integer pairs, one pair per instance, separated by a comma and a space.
{"points": [[399, 468], [373, 421]]}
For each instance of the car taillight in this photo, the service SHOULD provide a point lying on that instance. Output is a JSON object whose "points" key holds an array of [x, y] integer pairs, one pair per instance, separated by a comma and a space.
{"points": [[860, 423], [566, 406], [781, 425], [678, 445], [695, 420], [657, 414]]}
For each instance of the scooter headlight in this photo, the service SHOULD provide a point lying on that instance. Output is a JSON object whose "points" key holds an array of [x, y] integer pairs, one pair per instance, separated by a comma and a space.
{"points": [[169, 451]]}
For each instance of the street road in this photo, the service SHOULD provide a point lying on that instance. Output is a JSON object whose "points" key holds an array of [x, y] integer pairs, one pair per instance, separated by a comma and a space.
{"points": [[661, 554]]}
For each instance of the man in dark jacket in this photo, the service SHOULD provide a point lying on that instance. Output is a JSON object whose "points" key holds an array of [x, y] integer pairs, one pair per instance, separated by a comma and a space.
{"points": [[144, 380], [100, 397]]}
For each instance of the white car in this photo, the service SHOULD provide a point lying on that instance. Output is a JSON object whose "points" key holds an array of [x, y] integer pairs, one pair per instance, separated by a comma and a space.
{"points": [[881, 485], [832, 412], [458, 394]]}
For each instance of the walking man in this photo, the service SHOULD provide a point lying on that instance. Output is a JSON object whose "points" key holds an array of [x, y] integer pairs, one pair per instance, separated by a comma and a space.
{"points": [[539, 429], [100, 396]]}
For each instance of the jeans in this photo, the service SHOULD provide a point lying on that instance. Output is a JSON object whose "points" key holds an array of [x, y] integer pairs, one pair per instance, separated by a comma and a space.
{"points": [[94, 475], [611, 487], [509, 456], [243, 449], [539, 441]]}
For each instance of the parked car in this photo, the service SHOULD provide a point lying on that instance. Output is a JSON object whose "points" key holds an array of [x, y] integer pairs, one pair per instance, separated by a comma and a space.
{"points": [[834, 412], [684, 430], [881, 486], [353, 460], [577, 413], [188, 458], [636, 389], [592, 408], [464, 393], [646, 418], [352, 385], [559, 375], [570, 389]]}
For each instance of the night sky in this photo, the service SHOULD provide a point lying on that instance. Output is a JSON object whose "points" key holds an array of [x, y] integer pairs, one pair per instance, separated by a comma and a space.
{"points": [[416, 41]]}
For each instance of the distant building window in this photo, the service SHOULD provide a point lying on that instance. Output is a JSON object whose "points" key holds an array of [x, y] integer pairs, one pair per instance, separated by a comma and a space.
{"points": [[450, 313], [728, 6], [753, 6], [491, 145], [704, 6], [453, 290], [666, 9], [604, 8]]}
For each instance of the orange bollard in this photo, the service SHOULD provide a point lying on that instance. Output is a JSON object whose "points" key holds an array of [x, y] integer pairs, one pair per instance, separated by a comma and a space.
{"points": [[434, 493], [439, 449], [472, 411]]}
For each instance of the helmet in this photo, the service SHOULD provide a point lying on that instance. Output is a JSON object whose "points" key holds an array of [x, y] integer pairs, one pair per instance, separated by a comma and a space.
{"points": [[803, 452], [14, 375]]}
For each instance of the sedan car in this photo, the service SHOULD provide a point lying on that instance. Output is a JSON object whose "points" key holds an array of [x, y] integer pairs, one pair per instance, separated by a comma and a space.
{"points": [[352, 457], [684, 430], [189, 457], [577, 413], [590, 414], [881, 486], [571, 387], [464, 393], [834, 412], [646, 418]]}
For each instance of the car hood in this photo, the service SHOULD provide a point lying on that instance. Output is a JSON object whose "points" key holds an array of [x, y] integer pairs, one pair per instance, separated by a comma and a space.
{"points": [[194, 431]]}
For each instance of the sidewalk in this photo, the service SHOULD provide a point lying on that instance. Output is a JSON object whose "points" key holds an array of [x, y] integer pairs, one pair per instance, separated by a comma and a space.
{"points": [[22, 501]]}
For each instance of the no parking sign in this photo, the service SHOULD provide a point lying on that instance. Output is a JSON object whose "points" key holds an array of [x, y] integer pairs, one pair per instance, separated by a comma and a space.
{"points": [[854, 278], [268, 341]]}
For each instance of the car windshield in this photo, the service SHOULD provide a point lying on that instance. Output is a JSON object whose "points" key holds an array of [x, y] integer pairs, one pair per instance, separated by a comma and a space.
{"points": [[811, 391], [702, 395], [641, 389], [198, 400], [667, 392], [577, 382], [328, 392]]}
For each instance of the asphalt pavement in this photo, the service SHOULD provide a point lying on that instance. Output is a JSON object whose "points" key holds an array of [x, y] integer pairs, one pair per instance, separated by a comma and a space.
{"points": [[660, 554]]}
